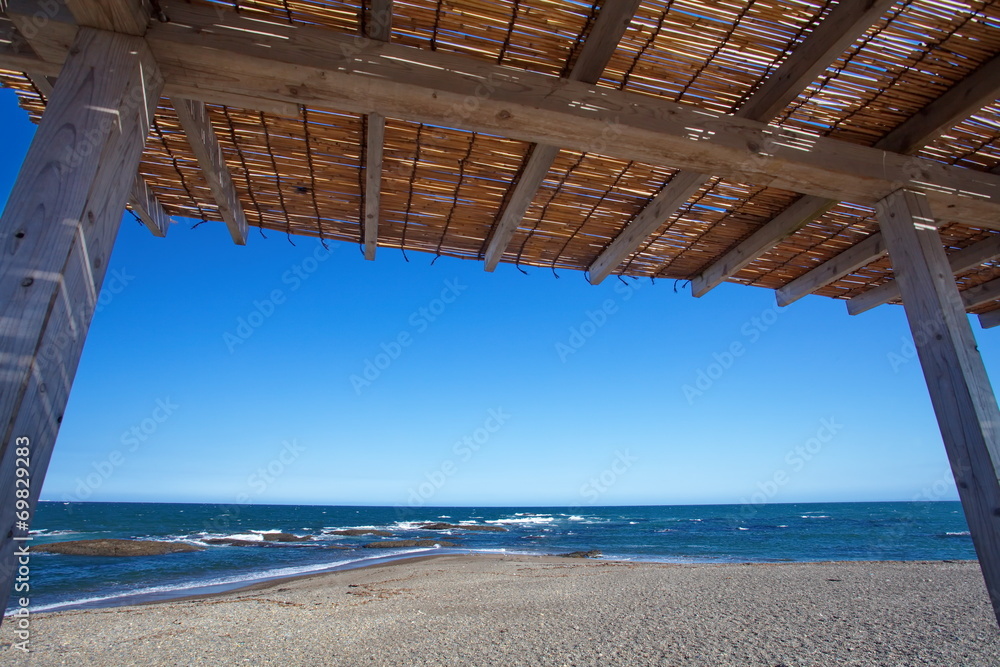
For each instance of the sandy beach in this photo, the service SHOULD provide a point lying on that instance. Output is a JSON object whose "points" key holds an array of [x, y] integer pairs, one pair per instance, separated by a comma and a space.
{"points": [[519, 610]]}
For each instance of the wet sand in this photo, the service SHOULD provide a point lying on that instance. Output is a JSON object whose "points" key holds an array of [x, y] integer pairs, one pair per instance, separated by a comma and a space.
{"points": [[520, 610]]}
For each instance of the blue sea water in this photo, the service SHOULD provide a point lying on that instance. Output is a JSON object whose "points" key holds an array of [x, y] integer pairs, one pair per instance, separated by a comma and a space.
{"points": [[707, 533]]}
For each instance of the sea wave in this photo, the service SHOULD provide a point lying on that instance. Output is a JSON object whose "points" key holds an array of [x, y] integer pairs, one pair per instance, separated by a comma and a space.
{"points": [[188, 587], [525, 520]]}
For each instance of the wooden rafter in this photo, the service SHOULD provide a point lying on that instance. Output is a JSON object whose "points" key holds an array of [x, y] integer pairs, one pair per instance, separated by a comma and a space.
{"points": [[205, 145], [961, 261], [602, 41], [981, 294], [962, 100], [990, 319], [848, 21], [145, 205], [845, 263], [378, 26]]}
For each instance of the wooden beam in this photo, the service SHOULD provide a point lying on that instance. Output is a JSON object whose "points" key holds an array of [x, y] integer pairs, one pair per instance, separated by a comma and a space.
{"points": [[205, 146], [125, 16], [960, 390], [518, 201], [962, 100], [59, 227], [769, 235], [845, 23], [203, 51], [847, 262], [990, 319], [978, 89], [609, 27], [981, 294], [961, 261], [681, 188], [373, 181], [378, 26], [145, 205], [17, 55]]}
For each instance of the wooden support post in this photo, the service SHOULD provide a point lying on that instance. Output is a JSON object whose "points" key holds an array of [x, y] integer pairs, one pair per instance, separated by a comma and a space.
{"points": [[57, 233], [960, 391]]}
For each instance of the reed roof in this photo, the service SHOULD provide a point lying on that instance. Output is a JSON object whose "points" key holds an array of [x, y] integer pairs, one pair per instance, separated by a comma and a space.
{"points": [[444, 189]]}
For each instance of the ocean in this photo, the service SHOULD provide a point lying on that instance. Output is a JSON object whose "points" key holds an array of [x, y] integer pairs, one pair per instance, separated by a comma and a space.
{"points": [[676, 534]]}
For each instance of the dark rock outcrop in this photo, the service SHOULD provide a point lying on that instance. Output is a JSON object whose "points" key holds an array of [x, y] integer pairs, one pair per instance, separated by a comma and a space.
{"points": [[361, 531], [447, 526], [115, 548], [593, 553], [284, 537]]}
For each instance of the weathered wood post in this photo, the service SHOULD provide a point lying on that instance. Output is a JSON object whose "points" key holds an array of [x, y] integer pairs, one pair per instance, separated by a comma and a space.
{"points": [[960, 391], [56, 236]]}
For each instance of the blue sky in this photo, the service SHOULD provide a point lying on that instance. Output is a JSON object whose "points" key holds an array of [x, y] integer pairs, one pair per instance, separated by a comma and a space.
{"points": [[217, 373]]}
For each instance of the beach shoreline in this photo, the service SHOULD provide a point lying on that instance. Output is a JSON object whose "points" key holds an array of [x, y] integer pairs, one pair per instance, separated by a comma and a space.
{"points": [[539, 610]]}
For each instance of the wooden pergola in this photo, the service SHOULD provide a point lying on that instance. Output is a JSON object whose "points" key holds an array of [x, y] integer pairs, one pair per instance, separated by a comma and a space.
{"points": [[845, 148]]}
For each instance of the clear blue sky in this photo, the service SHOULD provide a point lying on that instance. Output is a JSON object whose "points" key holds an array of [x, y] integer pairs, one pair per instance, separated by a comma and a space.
{"points": [[174, 402]]}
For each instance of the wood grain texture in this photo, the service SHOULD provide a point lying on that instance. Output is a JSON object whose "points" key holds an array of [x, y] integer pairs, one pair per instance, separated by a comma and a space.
{"points": [[56, 234], [960, 390], [130, 17]]}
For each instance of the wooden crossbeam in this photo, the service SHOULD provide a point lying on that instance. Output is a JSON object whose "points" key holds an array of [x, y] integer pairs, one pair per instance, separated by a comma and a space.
{"points": [[60, 222], [960, 261], [769, 235], [848, 21], [959, 388], [204, 54], [990, 319], [609, 27], [144, 204], [845, 263], [205, 145], [378, 26], [962, 100], [981, 294]]}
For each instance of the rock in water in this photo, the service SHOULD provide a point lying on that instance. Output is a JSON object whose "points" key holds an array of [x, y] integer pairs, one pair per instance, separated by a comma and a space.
{"points": [[115, 548], [284, 537], [447, 526], [361, 531], [393, 544], [593, 553]]}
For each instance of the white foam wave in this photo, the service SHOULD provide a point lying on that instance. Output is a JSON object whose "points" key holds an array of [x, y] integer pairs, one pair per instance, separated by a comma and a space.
{"points": [[179, 588], [525, 520]]}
